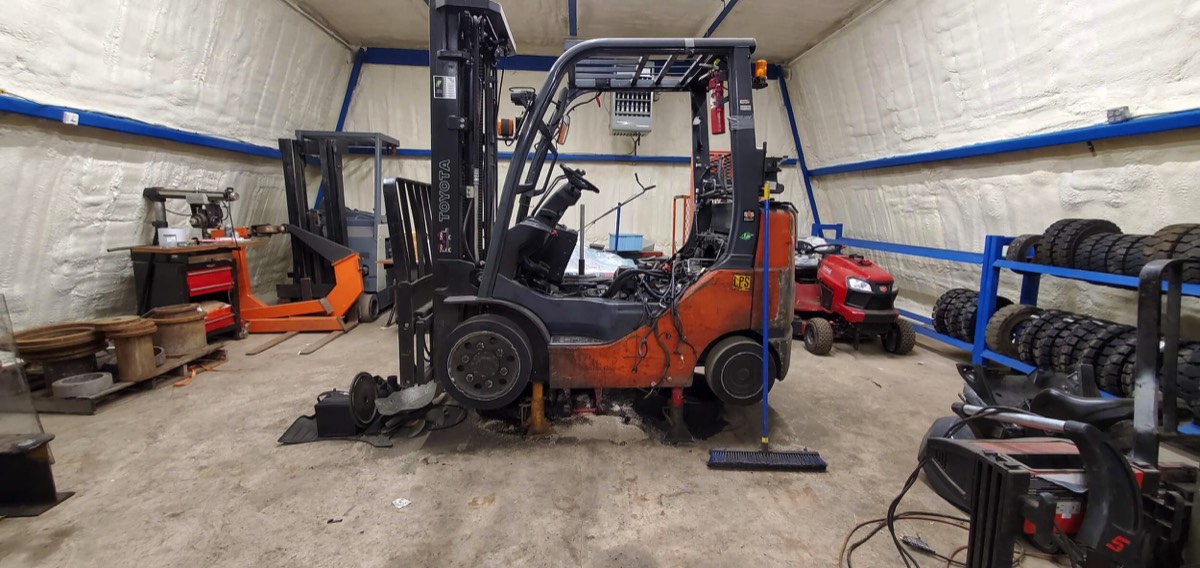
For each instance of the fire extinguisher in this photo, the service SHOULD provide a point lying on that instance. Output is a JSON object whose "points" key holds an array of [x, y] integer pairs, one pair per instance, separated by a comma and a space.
{"points": [[716, 88]]}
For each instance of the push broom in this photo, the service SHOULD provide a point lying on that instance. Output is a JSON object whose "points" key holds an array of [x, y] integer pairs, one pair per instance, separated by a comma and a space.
{"points": [[764, 459]]}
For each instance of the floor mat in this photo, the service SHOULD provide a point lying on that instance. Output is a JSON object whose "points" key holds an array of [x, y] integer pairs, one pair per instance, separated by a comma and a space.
{"points": [[304, 430]]}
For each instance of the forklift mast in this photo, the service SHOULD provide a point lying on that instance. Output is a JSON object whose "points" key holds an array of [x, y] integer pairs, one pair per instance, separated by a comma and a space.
{"points": [[467, 38]]}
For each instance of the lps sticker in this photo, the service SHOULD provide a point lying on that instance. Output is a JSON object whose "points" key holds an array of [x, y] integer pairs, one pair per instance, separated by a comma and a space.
{"points": [[742, 282]]}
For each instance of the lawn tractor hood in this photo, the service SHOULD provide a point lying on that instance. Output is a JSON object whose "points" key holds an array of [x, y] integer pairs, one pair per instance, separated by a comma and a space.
{"points": [[856, 267]]}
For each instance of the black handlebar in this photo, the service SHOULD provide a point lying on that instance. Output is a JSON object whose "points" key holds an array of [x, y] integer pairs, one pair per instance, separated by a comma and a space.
{"points": [[575, 178]]}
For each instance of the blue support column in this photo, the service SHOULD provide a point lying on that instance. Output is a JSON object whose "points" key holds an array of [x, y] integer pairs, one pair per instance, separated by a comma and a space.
{"points": [[712, 28], [359, 57], [787, 105], [989, 287], [1030, 283], [573, 17]]}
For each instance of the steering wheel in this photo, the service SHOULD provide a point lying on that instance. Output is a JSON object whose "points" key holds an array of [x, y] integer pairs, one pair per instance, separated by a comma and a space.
{"points": [[575, 178], [805, 247]]}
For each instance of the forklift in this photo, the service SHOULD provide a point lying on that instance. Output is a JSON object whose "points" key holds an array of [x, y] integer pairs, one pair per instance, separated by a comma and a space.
{"points": [[485, 310]]}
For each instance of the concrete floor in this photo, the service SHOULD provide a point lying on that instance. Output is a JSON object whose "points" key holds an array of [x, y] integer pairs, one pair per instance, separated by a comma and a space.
{"points": [[193, 476]]}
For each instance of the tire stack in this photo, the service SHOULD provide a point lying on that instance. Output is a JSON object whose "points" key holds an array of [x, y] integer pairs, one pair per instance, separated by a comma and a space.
{"points": [[1097, 245], [955, 313], [1061, 341]]}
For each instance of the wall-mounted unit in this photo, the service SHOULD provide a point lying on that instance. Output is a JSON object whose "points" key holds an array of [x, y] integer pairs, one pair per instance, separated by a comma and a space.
{"points": [[632, 113]]}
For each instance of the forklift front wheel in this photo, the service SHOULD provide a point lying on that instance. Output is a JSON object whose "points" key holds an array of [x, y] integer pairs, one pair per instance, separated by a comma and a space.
{"points": [[818, 336], [368, 308]]}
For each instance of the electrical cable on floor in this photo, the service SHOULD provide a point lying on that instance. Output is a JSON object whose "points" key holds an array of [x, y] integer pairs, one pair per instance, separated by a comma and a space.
{"points": [[907, 557]]}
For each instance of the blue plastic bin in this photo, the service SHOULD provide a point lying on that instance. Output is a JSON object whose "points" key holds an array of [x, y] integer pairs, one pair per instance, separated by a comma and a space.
{"points": [[625, 242]]}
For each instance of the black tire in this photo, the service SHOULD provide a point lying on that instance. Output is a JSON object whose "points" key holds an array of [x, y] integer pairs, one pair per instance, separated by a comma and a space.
{"points": [[1062, 239], [1115, 261], [1135, 256], [1027, 337], [1083, 254], [733, 370], [480, 393], [1005, 326], [1176, 241], [900, 339], [1068, 348], [1187, 380], [969, 317], [368, 308], [818, 336], [1097, 257], [941, 309], [955, 311], [1023, 249], [1093, 349], [1044, 347], [1112, 362]]}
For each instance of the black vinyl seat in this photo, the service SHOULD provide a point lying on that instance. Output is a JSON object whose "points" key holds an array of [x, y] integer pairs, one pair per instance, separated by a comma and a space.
{"points": [[1099, 412]]}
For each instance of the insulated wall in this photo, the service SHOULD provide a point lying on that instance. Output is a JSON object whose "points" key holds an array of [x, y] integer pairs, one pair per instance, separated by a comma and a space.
{"points": [[395, 100], [920, 75], [251, 70]]}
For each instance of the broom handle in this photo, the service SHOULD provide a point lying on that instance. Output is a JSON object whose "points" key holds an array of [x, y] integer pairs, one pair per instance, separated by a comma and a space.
{"points": [[766, 300]]}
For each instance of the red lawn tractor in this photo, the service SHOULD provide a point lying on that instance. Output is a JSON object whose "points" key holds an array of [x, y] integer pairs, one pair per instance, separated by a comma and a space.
{"points": [[845, 297]]}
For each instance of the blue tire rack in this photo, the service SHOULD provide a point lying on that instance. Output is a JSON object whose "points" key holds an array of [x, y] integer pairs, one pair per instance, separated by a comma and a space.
{"points": [[991, 262]]}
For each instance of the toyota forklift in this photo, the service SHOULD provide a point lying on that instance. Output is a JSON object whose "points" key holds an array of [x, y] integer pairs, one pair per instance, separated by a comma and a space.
{"points": [[485, 309]]}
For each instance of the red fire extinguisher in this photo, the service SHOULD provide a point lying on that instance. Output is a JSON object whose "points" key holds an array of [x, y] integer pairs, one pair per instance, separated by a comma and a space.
{"points": [[716, 87]]}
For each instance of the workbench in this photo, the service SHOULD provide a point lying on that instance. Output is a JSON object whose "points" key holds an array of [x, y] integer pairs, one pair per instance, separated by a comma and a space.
{"points": [[192, 274]]}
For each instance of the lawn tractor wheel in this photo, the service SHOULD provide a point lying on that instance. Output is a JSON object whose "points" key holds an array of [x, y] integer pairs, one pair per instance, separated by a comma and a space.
{"points": [[941, 309], [488, 362], [1005, 325], [1112, 362], [1068, 346], [818, 336], [1028, 334], [900, 338], [733, 370], [1176, 241], [1062, 239], [1115, 262], [1044, 348]]}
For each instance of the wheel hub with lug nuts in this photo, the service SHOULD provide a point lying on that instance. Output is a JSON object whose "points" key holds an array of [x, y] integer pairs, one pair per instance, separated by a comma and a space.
{"points": [[483, 362]]}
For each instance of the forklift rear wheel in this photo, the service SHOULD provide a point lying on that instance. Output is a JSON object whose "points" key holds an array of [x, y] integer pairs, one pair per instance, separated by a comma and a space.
{"points": [[368, 308], [733, 370], [818, 336], [900, 338], [489, 362]]}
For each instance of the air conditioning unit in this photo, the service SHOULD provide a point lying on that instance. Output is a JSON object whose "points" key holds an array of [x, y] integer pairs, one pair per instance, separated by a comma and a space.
{"points": [[632, 113]]}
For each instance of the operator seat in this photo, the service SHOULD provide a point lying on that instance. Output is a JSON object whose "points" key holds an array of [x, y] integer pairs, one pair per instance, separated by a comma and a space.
{"points": [[537, 244]]}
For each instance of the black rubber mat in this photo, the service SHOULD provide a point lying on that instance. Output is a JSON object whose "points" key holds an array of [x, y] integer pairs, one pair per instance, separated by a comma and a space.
{"points": [[304, 430]]}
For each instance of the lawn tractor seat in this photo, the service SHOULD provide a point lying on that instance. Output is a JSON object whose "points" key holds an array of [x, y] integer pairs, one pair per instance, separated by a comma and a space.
{"points": [[807, 261]]}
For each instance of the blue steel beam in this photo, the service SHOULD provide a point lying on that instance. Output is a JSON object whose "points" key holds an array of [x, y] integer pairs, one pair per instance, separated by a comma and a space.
{"points": [[1130, 282], [1136, 127], [804, 173], [573, 17], [123, 125], [355, 71], [927, 252], [712, 28]]}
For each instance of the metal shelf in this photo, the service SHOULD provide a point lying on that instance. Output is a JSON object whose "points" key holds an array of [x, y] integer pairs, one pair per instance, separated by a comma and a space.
{"points": [[991, 261]]}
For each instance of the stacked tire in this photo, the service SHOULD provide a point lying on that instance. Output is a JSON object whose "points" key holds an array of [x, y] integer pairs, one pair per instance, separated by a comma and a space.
{"points": [[1061, 342], [1097, 245], [955, 313]]}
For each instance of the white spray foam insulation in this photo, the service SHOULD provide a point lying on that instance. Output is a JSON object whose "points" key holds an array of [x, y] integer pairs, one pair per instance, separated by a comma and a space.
{"points": [[394, 100], [246, 69], [252, 70], [73, 195], [921, 75]]}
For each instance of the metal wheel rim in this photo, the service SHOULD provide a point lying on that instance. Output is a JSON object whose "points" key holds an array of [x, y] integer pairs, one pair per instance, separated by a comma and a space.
{"points": [[484, 366], [729, 386]]}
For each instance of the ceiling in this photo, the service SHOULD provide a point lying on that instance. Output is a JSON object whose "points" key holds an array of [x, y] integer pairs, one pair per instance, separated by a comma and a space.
{"points": [[784, 28]]}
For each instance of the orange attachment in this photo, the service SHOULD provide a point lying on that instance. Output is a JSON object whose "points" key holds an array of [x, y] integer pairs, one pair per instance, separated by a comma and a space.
{"points": [[323, 314], [760, 69], [720, 303]]}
